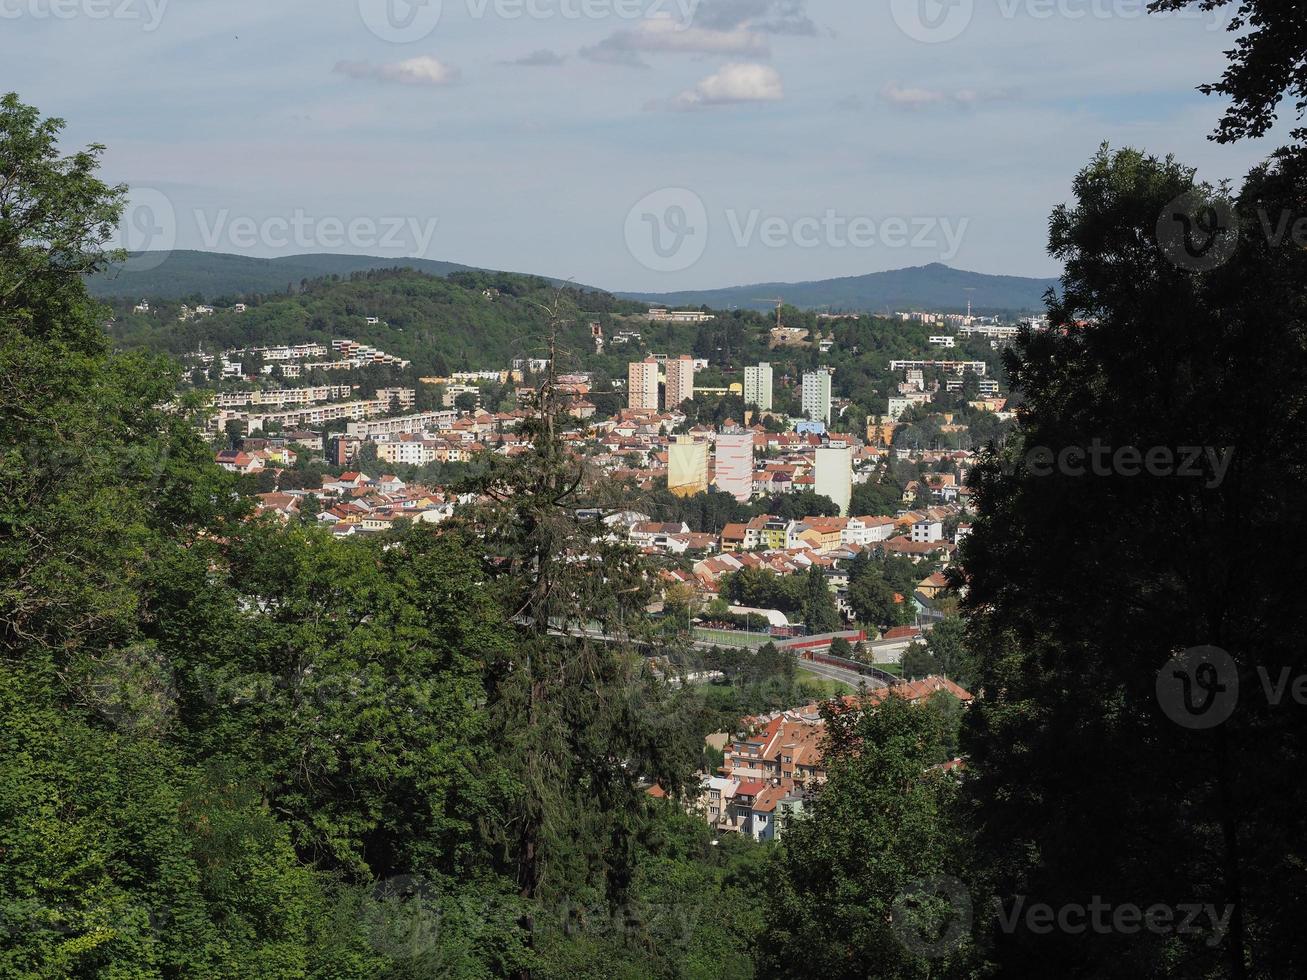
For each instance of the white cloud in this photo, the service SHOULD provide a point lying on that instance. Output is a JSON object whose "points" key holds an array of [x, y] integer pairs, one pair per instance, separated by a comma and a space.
{"points": [[920, 98], [422, 70], [734, 83], [668, 36], [540, 58]]}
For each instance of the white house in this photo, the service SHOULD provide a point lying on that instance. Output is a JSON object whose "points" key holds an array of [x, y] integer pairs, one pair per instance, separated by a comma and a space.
{"points": [[928, 531]]}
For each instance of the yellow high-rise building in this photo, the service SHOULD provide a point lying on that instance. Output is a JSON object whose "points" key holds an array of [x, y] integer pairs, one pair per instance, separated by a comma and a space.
{"points": [[687, 467]]}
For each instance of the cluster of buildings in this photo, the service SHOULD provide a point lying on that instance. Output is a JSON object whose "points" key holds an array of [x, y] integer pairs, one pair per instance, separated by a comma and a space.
{"points": [[303, 408], [295, 361], [643, 382], [666, 382], [355, 503], [776, 764]]}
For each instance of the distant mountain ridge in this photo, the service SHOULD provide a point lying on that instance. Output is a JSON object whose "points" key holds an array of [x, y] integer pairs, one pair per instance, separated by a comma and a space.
{"points": [[212, 274], [927, 287], [935, 287]]}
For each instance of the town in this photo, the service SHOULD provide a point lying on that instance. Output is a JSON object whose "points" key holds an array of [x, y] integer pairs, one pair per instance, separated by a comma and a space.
{"points": [[737, 514]]}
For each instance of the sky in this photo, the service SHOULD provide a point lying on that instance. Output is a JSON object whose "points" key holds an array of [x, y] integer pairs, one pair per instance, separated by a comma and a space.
{"points": [[641, 145]]}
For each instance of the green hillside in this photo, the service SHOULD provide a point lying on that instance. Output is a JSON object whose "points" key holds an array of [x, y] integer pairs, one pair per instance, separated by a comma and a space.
{"points": [[215, 276], [482, 321], [470, 320]]}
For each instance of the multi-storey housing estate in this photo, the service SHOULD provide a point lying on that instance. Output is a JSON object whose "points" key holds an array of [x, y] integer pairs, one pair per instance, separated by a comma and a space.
{"points": [[817, 395], [642, 384], [680, 380], [758, 386]]}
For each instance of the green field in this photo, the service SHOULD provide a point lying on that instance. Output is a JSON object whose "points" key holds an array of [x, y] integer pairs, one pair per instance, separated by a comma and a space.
{"points": [[829, 687], [731, 638]]}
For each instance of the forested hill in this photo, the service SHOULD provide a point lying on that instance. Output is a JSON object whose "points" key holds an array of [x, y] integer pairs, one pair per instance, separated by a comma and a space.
{"points": [[213, 276], [927, 287], [468, 319]]}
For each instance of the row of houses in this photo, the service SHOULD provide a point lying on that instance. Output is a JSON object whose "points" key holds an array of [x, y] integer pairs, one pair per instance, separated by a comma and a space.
{"points": [[776, 763]]}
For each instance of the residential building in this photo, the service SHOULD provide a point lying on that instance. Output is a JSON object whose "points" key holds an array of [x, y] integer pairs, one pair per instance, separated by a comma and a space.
{"points": [[927, 531], [817, 394], [834, 475], [642, 384], [680, 316], [680, 381], [421, 422], [758, 386], [734, 455], [687, 467]]}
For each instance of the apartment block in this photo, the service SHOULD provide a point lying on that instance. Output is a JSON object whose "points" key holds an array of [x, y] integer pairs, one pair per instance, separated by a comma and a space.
{"points": [[642, 384], [817, 395], [680, 380], [758, 386]]}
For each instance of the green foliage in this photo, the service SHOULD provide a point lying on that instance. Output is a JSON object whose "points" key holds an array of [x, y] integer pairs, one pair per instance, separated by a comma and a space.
{"points": [[438, 324], [876, 499], [758, 588], [232, 748], [884, 824], [1080, 589], [819, 612]]}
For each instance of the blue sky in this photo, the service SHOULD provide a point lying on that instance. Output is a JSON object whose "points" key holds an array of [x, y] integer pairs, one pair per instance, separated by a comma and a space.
{"points": [[526, 135]]}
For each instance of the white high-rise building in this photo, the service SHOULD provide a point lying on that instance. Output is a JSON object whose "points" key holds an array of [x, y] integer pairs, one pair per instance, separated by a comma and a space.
{"points": [[680, 380], [735, 464], [817, 395], [758, 386], [642, 384], [834, 476]]}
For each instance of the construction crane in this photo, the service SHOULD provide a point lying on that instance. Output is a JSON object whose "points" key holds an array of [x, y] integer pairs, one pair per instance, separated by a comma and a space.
{"points": [[779, 301]]}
